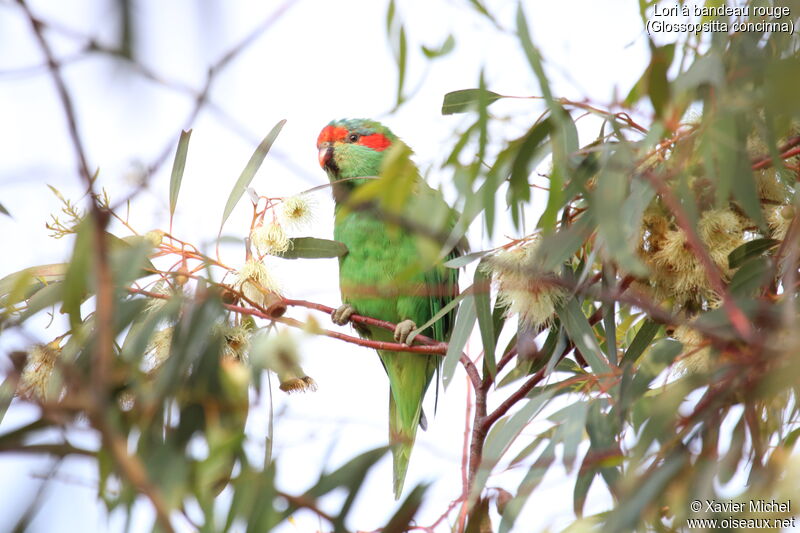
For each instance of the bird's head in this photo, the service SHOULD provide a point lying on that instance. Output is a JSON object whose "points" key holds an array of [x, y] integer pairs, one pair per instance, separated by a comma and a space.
{"points": [[350, 148]]}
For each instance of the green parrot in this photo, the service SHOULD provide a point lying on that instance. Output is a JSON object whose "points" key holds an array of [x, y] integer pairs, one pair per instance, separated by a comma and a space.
{"points": [[391, 222]]}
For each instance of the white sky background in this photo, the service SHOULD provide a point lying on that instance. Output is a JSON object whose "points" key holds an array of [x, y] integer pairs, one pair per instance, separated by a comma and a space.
{"points": [[321, 60]]}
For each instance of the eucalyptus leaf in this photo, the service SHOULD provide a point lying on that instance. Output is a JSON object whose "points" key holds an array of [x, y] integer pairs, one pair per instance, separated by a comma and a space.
{"points": [[467, 99], [177, 170], [753, 248], [249, 171], [313, 248], [465, 320], [445, 48], [483, 309], [582, 335]]}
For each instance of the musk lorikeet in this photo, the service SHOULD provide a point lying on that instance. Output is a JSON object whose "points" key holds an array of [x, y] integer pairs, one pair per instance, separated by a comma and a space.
{"points": [[392, 223]]}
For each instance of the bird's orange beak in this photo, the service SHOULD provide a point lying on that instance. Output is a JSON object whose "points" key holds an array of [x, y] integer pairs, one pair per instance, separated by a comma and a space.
{"points": [[325, 154]]}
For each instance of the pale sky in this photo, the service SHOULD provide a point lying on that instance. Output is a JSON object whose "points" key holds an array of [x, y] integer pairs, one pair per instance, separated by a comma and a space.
{"points": [[321, 60]]}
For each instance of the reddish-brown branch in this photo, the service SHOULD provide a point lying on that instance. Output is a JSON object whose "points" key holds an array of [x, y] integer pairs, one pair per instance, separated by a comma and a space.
{"points": [[430, 346], [788, 150], [433, 347], [440, 349], [479, 430], [306, 503], [507, 357], [358, 319], [519, 394]]}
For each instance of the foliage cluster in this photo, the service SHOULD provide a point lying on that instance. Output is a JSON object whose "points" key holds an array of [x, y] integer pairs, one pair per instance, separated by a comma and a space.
{"points": [[654, 306]]}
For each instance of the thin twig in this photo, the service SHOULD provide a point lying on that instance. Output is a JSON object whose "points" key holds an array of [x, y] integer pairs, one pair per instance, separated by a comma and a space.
{"points": [[66, 101], [133, 469]]}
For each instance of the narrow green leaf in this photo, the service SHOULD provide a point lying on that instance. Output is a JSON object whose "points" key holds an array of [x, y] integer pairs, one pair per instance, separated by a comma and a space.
{"points": [[531, 447], [47, 296], [658, 88], [465, 319], [7, 391], [751, 275], [555, 248], [250, 170], [609, 318], [583, 483], [570, 422], [534, 58], [344, 475], [628, 513], [13, 286], [129, 261], [401, 65], [660, 356], [750, 249], [504, 432], [177, 170], [478, 520], [529, 483], [4, 211], [313, 248], [78, 272], [483, 308], [492, 181], [564, 136], [193, 339], [452, 159], [730, 461], [581, 333], [641, 341], [564, 141], [404, 516], [707, 69], [390, 13], [436, 317], [350, 476], [790, 439], [532, 142], [604, 450], [143, 327], [466, 100], [463, 260], [480, 8], [619, 212], [445, 48]]}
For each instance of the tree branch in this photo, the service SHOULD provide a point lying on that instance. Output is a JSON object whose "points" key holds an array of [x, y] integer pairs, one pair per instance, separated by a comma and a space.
{"points": [[66, 101]]}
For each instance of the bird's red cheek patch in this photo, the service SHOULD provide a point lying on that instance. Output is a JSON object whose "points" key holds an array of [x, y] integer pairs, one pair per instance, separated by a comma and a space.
{"points": [[376, 141], [331, 134]]}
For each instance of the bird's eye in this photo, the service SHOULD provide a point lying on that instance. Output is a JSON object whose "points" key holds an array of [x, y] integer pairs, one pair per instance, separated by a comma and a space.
{"points": [[353, 137]]}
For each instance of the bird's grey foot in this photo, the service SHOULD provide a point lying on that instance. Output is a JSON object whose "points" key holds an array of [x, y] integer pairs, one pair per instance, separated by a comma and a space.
{"points": [[341, 315], [403, 329]]}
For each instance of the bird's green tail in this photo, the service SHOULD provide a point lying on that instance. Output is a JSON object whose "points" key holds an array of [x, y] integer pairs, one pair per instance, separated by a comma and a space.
{"points": [[409, 375], [402, 439]]}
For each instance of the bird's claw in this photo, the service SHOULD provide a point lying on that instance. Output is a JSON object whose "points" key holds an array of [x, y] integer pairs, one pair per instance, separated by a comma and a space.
{"points": [[402, 331], [341, 315]]}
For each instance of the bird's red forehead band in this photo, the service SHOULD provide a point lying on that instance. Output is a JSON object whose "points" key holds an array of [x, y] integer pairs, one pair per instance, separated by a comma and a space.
{"points": [[332, 134]]}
